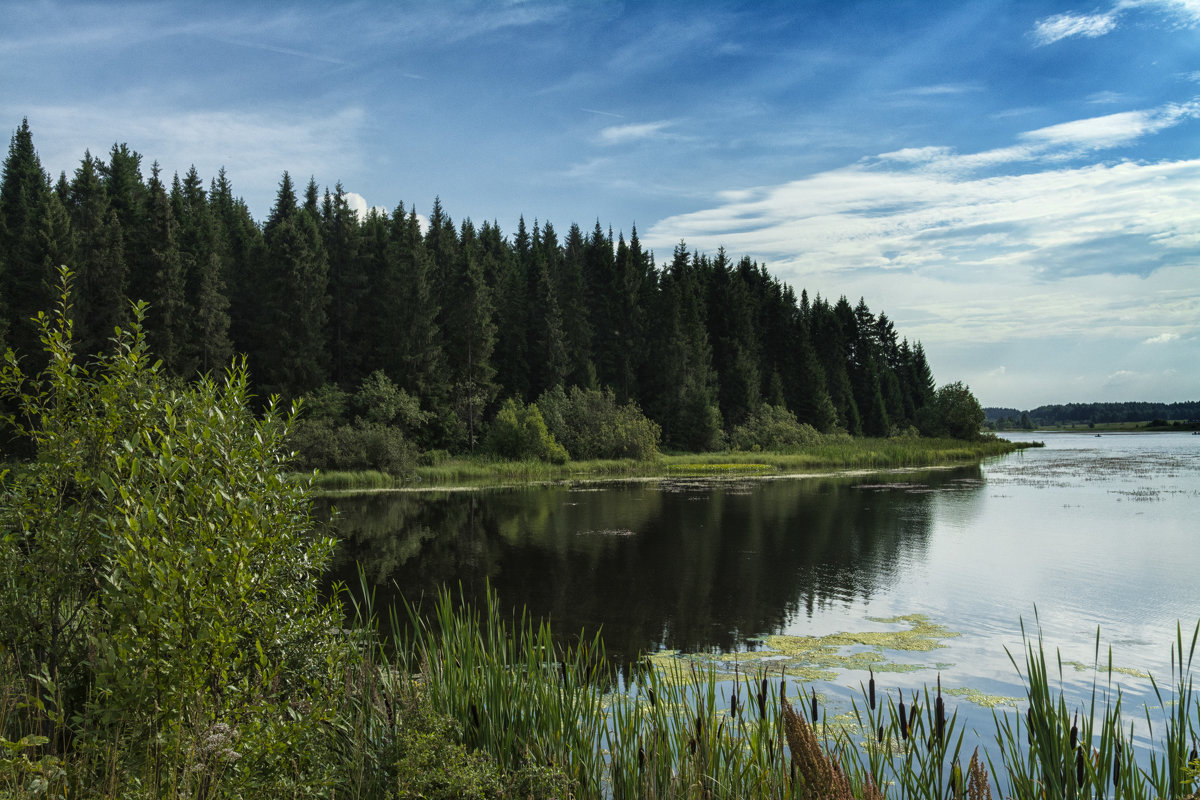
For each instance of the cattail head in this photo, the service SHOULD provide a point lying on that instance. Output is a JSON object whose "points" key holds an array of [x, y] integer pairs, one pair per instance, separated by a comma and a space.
{"points": [[1075, 731], [641, 759], [762, 700], [903, 719], [879, 735], [733, 704], [1079, 771], [653, 699], [871, 688], [1117, 768], [814, 706]]}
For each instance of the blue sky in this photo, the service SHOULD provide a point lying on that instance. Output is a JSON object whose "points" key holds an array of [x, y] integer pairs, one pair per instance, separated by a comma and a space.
{"points": [[1016, 184]]}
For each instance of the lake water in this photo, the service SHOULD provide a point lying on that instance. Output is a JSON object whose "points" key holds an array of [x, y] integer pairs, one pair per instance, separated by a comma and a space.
{"points": [[1093, 532]]}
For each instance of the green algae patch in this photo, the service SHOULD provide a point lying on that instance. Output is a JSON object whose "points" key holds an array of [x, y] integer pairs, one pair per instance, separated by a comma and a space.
{"points": [[821, 658], [1130, 671], [981, 699]]}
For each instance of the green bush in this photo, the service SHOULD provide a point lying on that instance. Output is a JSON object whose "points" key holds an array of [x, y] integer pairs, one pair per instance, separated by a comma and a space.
{"points": [[773, 428], [160, 574], [955, 412], [519, 432], [590, 424]]}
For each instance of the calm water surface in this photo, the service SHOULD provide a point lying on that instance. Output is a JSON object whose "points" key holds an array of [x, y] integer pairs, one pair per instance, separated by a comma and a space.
{"points": [[1091, 531]]}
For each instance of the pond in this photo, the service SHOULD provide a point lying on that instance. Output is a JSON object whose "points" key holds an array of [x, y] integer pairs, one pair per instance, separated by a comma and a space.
{"points": [[1089, 532]]}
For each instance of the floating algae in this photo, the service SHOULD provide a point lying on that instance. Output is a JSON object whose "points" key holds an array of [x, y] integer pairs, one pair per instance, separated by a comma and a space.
{"points": [[1130, 671], [980, 699], [821, 658]]}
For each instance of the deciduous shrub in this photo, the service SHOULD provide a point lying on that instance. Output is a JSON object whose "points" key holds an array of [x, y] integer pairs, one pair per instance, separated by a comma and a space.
{"points": [[773, 428], [519, 432], [590, 424], [159, 573]]}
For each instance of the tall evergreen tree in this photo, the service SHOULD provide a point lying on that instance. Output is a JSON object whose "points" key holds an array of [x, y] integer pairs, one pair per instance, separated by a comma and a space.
{"points": [[101, 280], [24, 282], [163, 284], [290, 357], [347, 287]]}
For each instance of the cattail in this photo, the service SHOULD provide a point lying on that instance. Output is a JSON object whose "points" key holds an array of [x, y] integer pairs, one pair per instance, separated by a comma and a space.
{"points": [[1029, 724], [782, 687], [1117, 768], [653, 699], [699, 727], [879, 737], [691, 746], [940, 712], [1075, 731], [762, 699], [641, 759], [1079, 768], [903, 719], [871, 688], [814, 706], [733, 705]]}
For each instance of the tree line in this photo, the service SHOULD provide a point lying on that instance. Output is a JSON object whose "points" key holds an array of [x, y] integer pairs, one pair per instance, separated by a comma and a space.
{"points": [[447, 320], [1083, 413]]}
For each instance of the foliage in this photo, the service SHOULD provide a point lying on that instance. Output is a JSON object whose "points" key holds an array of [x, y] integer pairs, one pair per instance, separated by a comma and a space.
{"points": [[159, 571], [955, 412], [591, 424], [519, 432], [773, 428], [423, 330]]}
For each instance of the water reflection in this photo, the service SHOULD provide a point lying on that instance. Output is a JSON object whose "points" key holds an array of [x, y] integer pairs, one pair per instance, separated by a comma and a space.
{"points": [[688, 565]]}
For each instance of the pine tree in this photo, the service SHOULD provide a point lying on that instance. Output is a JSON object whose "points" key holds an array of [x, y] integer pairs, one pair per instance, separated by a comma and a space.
{"points": [[163, 284], [100, 291], [24, 282], [290, 358], [347, 286], [470, 336]]}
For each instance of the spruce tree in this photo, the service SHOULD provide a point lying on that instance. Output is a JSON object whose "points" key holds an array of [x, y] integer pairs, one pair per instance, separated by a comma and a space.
{"points": [[290, 357], [100, 291], [24, 282]]}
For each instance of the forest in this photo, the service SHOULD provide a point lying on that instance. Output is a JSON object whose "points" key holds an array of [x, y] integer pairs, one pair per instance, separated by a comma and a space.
{"points": [[412, 335], [1085, 413]]}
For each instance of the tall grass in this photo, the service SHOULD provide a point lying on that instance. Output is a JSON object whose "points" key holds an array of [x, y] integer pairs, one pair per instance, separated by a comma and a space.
{"points": [[684, 731], [832, 453]]}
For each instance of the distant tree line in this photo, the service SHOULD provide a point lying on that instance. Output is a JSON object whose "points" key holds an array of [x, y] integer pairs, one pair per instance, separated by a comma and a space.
{"points": [[402, 332], [1084, 413]]}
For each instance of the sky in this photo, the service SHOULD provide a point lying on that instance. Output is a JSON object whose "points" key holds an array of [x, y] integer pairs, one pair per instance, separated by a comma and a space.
{"points": [[1015, 184]]}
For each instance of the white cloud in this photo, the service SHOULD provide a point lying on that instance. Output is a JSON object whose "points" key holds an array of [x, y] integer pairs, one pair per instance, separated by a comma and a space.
{"points": [[1162, 338], [1064, 26], [358, 204], [623, 134], [255, 147], [1113, 130]]}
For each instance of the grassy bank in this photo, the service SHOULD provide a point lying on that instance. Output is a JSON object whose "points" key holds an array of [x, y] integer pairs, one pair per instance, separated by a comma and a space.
{"points": [[836, 453]]}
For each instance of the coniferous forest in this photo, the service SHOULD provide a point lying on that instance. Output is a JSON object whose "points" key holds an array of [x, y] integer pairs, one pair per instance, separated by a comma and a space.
{"points": [[427, 331]]}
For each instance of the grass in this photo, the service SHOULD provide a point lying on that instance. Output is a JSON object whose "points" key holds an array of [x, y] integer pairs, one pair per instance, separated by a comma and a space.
{"points": [[682, 730], [472, 703], [835, 453]]}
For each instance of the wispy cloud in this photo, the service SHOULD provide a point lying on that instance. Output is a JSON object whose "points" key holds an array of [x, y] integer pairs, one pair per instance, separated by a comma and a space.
{"points": [[624, 134], [1162, 338], [1046, 31], [1113, 130], [1065, 26], [255, 147]]}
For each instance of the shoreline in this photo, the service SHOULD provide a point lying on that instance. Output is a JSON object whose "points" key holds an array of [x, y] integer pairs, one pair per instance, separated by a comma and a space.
{"points": [[710, 468]]}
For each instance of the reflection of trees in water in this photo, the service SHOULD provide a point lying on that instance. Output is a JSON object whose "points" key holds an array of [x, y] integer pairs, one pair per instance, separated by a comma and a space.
{"points": [[687, 566]]}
